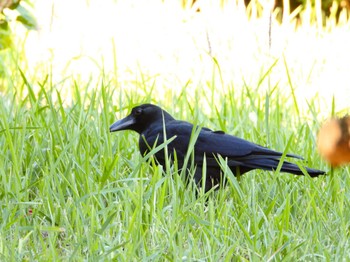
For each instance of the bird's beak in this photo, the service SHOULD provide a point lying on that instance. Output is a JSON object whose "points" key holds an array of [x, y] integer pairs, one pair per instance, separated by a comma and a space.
{"points": [[122, 124]]}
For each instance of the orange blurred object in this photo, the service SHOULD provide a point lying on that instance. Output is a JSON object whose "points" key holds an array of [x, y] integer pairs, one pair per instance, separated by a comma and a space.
{"points": [[334, 141]]}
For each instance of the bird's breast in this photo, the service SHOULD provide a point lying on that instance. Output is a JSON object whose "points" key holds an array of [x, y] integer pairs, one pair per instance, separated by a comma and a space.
{"points": [[149, 140]]}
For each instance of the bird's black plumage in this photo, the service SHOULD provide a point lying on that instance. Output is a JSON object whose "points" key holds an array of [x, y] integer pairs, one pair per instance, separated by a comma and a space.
{"points": [[241, 155]]}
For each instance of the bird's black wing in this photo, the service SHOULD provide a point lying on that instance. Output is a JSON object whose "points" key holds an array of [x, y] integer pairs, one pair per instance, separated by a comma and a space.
{"points": [[238, 152], [243, 154], [232, 147]]}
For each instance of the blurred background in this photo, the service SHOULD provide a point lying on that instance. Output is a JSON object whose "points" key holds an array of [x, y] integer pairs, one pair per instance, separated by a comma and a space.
{"points": [[178, 43]]}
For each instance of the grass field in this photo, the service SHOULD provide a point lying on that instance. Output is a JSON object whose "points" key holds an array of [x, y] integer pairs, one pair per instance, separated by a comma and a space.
{"points": [[71, 191]]}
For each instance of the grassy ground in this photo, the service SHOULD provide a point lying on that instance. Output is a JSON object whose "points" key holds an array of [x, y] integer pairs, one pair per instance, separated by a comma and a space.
{"points": [[70, 190]]}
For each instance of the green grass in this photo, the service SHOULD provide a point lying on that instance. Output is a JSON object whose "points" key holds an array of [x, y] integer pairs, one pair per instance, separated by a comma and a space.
{"points": [[70, 190]]}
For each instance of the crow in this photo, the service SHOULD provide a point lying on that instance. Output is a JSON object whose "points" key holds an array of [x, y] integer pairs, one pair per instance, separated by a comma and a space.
{"points": [[154, 124]]}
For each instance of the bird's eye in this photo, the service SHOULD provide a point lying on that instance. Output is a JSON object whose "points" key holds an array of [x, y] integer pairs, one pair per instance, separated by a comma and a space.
{"points": [[138, 111]]}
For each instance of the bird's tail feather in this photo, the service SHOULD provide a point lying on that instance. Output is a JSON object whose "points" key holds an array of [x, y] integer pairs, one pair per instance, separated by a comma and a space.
{"points": [[271, 164]]}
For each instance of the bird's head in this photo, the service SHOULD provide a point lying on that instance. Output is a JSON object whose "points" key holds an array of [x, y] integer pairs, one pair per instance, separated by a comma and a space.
{"points": [[141, 118]]}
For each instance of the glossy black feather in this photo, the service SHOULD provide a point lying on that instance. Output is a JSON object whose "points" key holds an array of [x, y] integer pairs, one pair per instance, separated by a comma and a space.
{"points": [[241, 155]]}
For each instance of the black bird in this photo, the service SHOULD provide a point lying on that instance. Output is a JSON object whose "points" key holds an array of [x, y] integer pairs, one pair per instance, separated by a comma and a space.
{"points": [[241, 155]]}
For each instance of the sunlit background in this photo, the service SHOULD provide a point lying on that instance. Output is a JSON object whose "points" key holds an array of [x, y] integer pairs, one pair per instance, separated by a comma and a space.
{"points": [[175, 46], [71, 190]]}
